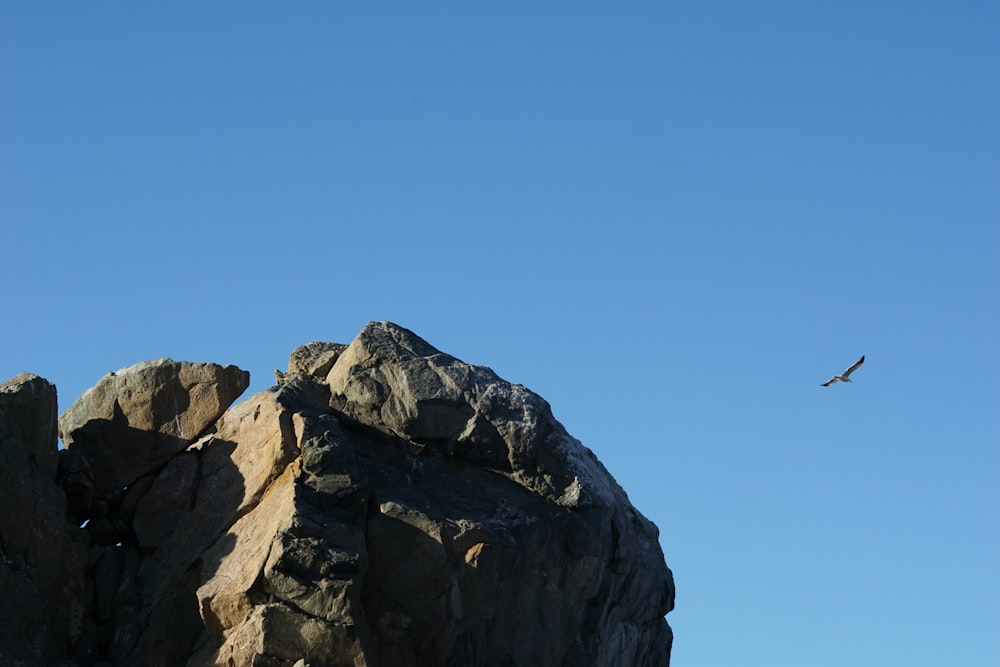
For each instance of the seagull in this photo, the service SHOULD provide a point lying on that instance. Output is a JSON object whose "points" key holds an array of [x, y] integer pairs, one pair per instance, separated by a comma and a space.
{"points": [[846, 375]]}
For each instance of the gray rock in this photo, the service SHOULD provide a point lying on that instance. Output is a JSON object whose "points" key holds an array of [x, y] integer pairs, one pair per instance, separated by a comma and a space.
{"points": [[133, 421], [430, 518], [314, 359], [169, 499], [392, 380], [384, 504]]}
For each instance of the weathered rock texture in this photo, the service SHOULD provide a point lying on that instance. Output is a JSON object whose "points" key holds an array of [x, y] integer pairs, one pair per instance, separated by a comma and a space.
{"points": [[384, 505]]}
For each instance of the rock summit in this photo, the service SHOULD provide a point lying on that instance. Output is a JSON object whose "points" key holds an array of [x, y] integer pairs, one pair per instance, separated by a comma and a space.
{"points": [[384, 504]]}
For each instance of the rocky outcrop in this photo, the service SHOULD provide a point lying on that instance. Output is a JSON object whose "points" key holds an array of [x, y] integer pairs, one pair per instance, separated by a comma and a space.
{"points": [[41, 556], [133, 421], [385, 504], [314, 358]]}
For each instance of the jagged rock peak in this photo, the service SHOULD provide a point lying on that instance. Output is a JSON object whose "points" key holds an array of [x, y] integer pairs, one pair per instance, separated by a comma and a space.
{"points": [[391, 379]]}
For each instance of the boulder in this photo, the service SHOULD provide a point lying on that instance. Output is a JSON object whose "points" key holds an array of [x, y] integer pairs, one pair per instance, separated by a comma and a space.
{"points": [[384, 504], [392, 380], [314, 358], [134, 420], [432, 514]]}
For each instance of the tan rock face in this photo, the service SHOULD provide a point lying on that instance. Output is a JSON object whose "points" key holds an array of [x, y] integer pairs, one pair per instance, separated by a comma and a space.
{"points": [[314, 359], [132, 421], [385, 505]]}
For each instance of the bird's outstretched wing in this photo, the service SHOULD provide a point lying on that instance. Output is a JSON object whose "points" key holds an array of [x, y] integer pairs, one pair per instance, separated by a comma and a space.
{"points": [[829, 382], [855, 366]]}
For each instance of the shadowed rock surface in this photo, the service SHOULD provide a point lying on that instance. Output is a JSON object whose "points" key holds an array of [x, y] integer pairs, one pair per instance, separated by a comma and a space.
{"points": [[384, 505], [132, 421], [42, 557]]}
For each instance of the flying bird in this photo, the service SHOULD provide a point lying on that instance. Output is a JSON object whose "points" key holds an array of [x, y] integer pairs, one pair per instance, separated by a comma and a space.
{"points": [[846, 375]]}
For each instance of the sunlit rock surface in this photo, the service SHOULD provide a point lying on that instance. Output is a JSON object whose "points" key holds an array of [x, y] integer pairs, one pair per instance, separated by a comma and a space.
{"points": [[384, 504]]}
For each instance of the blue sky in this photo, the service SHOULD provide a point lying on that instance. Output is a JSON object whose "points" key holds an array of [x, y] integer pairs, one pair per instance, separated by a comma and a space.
{"points": [[673, 220]]}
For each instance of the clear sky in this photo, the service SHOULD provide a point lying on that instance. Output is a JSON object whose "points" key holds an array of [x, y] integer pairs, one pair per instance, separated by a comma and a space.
{"points": [[673, 220]]}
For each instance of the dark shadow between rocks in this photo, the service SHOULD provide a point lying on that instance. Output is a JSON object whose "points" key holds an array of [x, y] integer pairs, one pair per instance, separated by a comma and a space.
{"points": [[408, 592], [142, 606], [189, 556], [117, 455]]}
